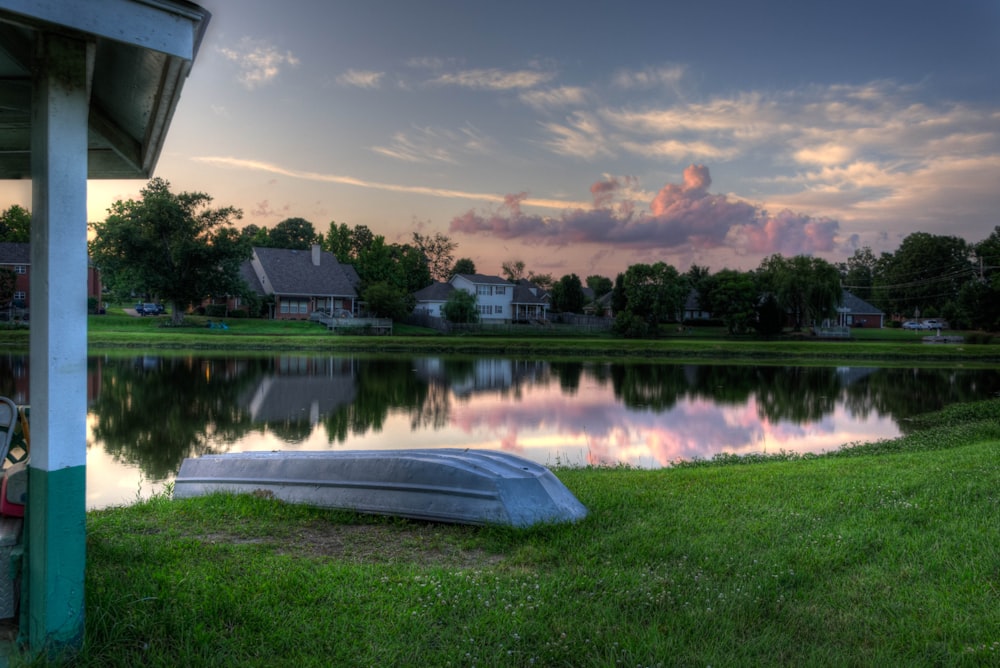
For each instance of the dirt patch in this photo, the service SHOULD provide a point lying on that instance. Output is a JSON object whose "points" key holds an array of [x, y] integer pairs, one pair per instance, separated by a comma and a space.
{"points": [[426, 544]]}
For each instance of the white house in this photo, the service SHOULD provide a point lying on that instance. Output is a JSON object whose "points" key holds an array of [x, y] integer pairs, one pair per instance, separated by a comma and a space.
{"points": [[494, 295]]}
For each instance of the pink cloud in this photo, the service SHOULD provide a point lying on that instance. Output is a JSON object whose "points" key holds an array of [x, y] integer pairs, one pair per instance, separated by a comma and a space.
{"points": [[681, 216]]}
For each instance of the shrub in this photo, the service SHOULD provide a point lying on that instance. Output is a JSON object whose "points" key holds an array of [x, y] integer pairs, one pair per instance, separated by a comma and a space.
{"points": [[216, 310]]}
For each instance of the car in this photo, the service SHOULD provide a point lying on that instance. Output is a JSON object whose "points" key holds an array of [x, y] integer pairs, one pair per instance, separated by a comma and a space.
{"points": [[147, 309], [914, 324], [934, 323]]}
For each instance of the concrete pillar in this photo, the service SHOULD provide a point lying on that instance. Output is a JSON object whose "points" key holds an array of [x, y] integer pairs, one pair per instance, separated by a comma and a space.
{"points": [[56, 509]]}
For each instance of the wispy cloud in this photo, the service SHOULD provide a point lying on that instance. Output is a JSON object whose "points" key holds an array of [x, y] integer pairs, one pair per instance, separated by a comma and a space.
{"points": [[435, 145], [360, 78], [563, 96], [651, 77], [581, 136], [259, 62], [271, 168], [494, 79]]}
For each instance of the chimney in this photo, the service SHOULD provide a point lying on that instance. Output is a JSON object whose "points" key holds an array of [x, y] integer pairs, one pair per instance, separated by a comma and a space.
{"points": [[315, 255]]}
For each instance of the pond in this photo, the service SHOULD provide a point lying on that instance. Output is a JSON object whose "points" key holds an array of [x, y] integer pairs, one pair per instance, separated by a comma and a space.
{"points": [[146, 414]]}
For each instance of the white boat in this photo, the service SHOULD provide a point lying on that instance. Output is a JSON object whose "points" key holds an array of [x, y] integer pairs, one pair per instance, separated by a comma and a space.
{"points": [[447, 485]]}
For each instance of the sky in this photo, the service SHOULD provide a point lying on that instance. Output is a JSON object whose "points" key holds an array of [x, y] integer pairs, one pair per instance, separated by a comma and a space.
{"points": [[583, 137]]}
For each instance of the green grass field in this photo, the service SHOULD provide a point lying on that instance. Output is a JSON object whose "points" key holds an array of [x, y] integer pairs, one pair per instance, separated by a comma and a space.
{"points": [[882, 554]]}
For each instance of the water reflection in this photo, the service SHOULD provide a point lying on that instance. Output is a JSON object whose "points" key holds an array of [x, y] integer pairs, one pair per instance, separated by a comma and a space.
{"points": [[148, 413]]}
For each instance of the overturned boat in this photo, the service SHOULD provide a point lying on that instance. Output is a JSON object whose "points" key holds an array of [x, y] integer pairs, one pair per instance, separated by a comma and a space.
{"points": [[447, 485]]}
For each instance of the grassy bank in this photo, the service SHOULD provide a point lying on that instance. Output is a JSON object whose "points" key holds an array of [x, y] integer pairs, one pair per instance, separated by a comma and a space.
{"points": [[878, 554], [120, 332]]}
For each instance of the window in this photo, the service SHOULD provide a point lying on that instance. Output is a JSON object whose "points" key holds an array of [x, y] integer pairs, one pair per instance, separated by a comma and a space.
{"points": [[498, 308], [19, 295], [294, 306], [483, 290], [20, 269], [501, 289]]}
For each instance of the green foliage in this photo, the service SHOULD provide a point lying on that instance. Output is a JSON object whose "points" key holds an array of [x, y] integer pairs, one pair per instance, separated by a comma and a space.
{"points": [[460, 308], [8, 281], [655, 293], [601, 285], [438, 254], [513, 270], [732, 296], [926, 272], [808, 288], [386, 300], [170, 245], [216, 310], [567, 295], [15, 224], [770, 317], [293, 233], [463, 266]]}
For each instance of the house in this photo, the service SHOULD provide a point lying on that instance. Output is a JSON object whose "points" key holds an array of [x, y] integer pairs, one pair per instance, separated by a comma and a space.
{"points": [[302, 281], [431, 299], [17, 257], [497, 300], [494, 295], [856, 312], [530, 302]]}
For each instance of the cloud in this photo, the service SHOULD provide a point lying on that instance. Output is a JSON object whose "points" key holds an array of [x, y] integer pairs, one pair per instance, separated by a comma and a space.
{"points": [[434, 145], [271, 168], [581, 136], [259, 62], [494, 79], [653, 77], [563, 96], [361, 78], [680, 216]]}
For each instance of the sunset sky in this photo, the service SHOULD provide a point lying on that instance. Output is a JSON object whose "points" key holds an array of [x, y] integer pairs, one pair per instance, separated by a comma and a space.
{"points": [[584, 137]]}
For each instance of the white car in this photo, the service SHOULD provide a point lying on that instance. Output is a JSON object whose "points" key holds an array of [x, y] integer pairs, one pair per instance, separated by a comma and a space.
{"points": [[913, 324]]}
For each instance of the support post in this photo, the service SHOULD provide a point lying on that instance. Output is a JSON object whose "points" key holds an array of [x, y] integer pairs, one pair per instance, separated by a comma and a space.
{"points": [[56, 507]]}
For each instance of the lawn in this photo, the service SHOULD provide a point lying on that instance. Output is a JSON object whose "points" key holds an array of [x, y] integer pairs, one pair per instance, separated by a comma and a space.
{"points": [[877, 554]]}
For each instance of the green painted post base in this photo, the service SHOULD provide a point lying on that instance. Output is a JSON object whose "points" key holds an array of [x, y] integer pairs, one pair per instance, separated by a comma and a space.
{"points": [[55, 537]]}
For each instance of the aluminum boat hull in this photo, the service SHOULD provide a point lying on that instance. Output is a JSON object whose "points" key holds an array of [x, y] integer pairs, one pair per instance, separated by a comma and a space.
{"points": [[447, 485]]}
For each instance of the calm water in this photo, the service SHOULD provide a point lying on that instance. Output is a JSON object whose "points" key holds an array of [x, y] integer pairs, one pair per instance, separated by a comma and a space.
{"points": [[148, 413]]}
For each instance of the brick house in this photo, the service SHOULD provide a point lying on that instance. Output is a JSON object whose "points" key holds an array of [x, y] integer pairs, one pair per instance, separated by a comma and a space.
{"points": [[17, 257]]}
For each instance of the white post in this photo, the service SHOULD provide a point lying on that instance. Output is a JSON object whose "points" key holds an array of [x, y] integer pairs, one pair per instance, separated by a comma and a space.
{"points": [[56, 508]]}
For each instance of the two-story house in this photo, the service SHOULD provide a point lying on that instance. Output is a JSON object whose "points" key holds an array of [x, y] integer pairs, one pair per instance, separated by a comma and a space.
{"points": [[16, 256], [497, 300]]}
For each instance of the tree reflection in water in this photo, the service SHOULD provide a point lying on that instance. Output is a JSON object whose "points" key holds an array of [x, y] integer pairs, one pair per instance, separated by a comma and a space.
{"points": [[151, 412]]}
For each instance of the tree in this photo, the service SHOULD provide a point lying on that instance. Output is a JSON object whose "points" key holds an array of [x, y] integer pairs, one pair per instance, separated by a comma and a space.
{"points": [[567, 295], [859, 272], [338, 241], [8, 281], [438, 251], [171, 245], [731, 296], [463, 266], [15, 224], [807, 288], [293, 233], [652, 293], [544, 281], [385, 300], [925, 273], [513, 270], [601, 285], [460, 307]]}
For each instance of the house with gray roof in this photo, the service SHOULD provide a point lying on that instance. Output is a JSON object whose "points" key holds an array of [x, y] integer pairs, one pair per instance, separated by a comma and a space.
{"points": [[302, 281], [497, 299], [16, 256], [856, 312]]}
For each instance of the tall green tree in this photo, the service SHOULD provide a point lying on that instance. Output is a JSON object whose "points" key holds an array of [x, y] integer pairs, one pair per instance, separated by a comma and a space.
{"points": [[650, 294], [859, 272], [601, 285], [438, 250], [463, 266], [512, 270], [732, 296], [15, 224], [925, 273], [567, 295], [338, 241], [808, 288], [173, 246], [294, 234]]}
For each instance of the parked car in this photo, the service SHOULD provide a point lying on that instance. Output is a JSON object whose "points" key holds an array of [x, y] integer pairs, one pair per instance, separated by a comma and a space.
{"points": [[934, 323], [148, 309], [914, 324]]}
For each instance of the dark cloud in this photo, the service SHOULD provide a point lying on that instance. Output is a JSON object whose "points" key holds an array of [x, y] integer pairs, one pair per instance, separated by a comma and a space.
{"points": [[681, 216]]}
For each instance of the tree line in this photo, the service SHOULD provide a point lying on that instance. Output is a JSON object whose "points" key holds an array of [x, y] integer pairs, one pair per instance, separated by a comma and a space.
{"points": [[178, 248]]}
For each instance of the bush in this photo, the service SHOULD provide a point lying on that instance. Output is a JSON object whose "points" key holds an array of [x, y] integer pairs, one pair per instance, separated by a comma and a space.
{"points": [[216, 310], [239, 313]]}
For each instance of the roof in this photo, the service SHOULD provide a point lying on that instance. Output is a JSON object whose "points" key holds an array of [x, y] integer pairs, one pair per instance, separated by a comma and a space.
{"points": [[248, 274], [857, 305], [143, 50], [523, 294], [13, 252], [435, 292], [292, 272], [483, 279]]}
